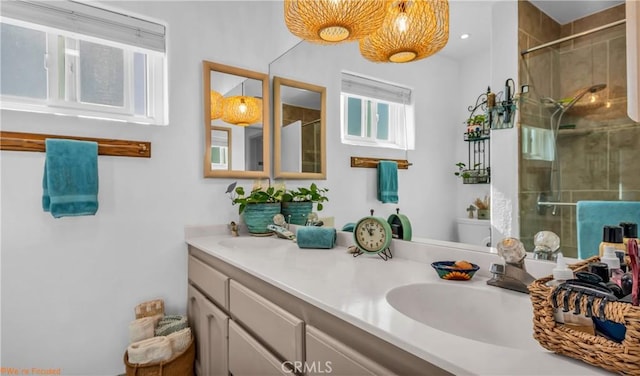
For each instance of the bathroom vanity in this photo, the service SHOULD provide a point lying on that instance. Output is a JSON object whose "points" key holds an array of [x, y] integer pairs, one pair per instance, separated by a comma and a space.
{"points": [[264, 306]]}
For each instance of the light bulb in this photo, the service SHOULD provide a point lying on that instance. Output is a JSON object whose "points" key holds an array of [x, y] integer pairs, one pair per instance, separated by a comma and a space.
{"points": [[401, 22], [593, 98], [242, 107], [608, 104]]}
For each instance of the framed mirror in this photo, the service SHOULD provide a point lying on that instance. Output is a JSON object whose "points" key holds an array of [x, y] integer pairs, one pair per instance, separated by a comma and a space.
{"points": [[300, 130], [236, 119]]}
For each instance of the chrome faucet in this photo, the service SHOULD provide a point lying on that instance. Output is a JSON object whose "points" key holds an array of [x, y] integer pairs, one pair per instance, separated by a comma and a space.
{"points": [[513, 274]]}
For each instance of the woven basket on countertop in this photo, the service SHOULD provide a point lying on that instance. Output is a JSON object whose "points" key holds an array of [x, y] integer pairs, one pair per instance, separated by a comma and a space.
{"points": [[180, 364], [596, 350]]}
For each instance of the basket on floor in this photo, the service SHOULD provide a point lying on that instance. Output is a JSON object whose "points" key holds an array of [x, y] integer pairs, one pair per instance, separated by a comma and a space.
{"points": [[180, 364], [599, 351]]}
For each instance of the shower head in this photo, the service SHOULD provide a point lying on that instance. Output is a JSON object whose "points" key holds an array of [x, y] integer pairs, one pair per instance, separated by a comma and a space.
{"points": [[591, 89]]}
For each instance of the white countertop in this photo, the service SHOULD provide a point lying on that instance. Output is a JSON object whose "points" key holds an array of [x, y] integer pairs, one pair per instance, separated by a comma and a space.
{"points": [[354, 290]]}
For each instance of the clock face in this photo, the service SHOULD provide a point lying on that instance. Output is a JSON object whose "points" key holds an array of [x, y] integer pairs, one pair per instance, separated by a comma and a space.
{"points": [[372, 235]]}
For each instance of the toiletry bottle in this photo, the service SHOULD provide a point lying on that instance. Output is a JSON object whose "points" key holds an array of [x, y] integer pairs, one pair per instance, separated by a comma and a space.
{"points": [[629, 231], [623, 261], [613, 262], [561, 272], [612, 236]]}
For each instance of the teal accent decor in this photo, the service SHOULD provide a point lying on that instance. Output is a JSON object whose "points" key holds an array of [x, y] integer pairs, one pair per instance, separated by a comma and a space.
{"points": [[299, 211], [258, 216]]}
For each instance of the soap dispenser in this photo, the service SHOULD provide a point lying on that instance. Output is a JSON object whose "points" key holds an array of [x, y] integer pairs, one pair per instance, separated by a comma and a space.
{"points": [[561, 272], [609, 257]]}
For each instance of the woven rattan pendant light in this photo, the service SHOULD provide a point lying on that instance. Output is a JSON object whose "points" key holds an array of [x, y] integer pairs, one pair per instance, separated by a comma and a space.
{"points": [[242, 110], [412, 30], [332, 21], [216, 105]]}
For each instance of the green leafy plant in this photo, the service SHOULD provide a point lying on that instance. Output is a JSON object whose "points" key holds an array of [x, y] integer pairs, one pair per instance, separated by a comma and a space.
{"points": [[256, 196], [478, 119], [463, 171], [311, 194]]}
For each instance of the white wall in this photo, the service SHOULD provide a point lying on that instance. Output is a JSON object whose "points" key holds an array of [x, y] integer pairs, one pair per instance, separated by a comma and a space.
{"points": [[69, 285], [474, 76], [427, 189], [504, 142]]}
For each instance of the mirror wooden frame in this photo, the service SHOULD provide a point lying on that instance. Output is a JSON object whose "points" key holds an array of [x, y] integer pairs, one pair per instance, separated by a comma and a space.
{"points": [[278, 82], [207, 68]]}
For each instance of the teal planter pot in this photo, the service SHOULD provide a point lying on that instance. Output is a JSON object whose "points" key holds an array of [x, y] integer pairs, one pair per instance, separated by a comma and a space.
{"points": [[299, 211], [258, 216]]}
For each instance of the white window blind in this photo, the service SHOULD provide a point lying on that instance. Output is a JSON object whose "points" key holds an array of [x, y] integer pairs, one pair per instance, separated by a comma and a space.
{"points": [[86, 19], [369, 88]]}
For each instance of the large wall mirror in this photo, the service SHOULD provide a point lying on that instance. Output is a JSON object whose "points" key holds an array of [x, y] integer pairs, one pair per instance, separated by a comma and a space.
{"points": [[299, 131], [236, 117]]}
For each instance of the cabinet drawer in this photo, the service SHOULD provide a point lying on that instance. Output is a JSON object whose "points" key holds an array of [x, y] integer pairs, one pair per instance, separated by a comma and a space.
{"points": [[325, 354], [248, 357], [281, 330], [214, 284]]}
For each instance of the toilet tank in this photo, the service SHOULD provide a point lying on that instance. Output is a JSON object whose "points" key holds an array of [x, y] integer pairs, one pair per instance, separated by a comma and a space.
{"points": [[474, 231]]}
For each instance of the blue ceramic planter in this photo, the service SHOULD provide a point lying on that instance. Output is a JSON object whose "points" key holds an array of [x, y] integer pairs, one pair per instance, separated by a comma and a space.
{"points": [[258, 216], [298, 211]]}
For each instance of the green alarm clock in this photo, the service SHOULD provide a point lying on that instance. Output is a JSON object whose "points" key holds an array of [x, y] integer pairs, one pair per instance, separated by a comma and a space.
{"points": [[372, 234], [400, 226]]}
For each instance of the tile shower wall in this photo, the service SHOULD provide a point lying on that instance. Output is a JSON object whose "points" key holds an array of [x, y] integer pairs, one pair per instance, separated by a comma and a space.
{"points": [[597, 143]]}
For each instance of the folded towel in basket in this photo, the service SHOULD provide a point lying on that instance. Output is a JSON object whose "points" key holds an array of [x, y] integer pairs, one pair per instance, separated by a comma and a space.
{"points": [[170, 324], [140, 329], [316, 237], [70, 180], [150, 350], [180, 340]]}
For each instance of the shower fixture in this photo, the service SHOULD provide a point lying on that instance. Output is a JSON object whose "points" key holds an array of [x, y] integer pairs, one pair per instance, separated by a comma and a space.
{"points": [[561, 107]]}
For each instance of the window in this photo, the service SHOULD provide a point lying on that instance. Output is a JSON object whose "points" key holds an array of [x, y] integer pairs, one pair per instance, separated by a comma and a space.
{"points": [[375, 113], [75, 59]]}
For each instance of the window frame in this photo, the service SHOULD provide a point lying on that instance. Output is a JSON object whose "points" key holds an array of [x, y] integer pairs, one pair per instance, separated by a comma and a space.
{"points": [[155, 76], [401, 128]]}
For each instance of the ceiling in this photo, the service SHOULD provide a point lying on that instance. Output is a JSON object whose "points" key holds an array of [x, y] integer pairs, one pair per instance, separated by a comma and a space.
{"points": [[565, 11]]}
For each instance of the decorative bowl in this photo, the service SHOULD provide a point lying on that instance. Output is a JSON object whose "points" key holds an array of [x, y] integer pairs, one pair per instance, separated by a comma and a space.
{"points": [[447, 270]]}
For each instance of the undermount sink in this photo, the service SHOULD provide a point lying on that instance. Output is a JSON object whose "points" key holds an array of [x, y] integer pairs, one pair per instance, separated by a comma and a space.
{"points": [[246, 242], [500, 317]]}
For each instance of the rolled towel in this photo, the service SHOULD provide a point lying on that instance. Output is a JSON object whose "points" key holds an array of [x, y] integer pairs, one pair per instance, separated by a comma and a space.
{"points": [[170, 324], [141, 329], [180, 340], [150, 350], [316, 237]]}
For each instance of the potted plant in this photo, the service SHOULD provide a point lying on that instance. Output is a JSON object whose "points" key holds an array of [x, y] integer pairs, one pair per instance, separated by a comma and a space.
{"points": [[476, 127], [474, 175], [298, 203], [257, 208], [484, 207]]}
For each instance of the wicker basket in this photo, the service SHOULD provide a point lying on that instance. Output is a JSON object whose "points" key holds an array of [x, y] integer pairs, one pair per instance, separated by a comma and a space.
{"points": [[596, 350], [179, 365], [150, 308]]}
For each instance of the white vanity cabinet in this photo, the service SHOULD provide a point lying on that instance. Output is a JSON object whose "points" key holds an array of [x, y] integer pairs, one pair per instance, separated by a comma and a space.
{"points": [[245, 325]]}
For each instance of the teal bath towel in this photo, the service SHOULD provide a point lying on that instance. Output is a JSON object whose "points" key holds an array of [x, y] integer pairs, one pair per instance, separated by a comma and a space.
{"points": [[388, 182], [316, 237], [592, 216], [70, 181]]}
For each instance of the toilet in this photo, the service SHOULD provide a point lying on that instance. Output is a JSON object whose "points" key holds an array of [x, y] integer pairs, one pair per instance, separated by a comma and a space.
{"points": [[474, 231]]}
